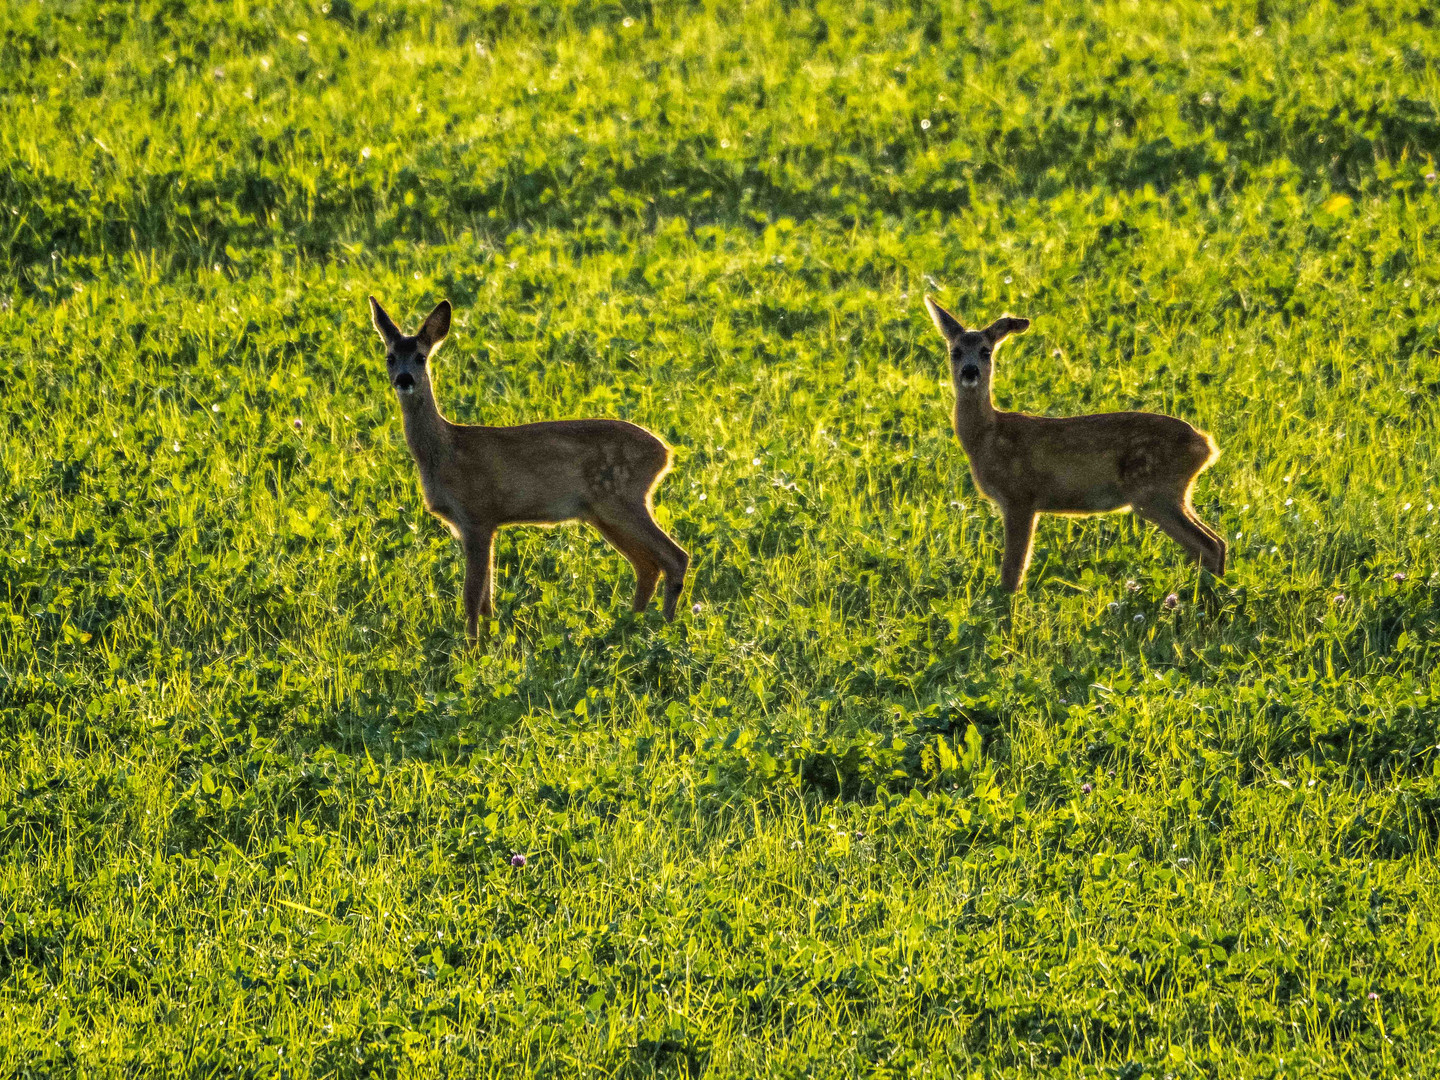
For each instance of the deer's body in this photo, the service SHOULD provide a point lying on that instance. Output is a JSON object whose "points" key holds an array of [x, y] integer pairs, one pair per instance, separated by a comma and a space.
{"points": [[478, 478], [531, 474], [1028, 465]]}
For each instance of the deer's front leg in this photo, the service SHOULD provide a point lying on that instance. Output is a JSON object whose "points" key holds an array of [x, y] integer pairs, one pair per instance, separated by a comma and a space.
{"points": [[1019, 534], [479, 545]]}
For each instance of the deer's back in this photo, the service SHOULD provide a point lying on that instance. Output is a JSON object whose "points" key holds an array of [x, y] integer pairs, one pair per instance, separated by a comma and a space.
{"points": [[1088, 464]]}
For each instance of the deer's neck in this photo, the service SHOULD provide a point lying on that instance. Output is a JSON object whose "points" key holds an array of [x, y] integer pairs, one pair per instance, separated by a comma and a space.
{"points": [[427, 433], [974, 416]]}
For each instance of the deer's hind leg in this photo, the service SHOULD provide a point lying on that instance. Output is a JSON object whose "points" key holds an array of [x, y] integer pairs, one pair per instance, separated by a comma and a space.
{"points": [[1172, 518], [632, 525], [1216, 540], [647, 570]]}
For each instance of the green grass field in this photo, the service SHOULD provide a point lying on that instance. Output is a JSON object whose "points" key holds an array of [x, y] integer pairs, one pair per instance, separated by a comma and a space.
{"points": [[856, 817]]}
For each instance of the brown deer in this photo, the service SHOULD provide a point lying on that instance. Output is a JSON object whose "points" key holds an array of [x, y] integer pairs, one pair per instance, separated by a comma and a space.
{"points": [[1095, 464], [476, 479]]}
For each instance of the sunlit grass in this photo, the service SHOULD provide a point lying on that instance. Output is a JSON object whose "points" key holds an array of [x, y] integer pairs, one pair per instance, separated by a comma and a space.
{"points": [[855, 815]]}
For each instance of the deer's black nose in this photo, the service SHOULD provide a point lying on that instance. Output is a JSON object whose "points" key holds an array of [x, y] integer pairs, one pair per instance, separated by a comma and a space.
{"points": [[404, 381], [970, 374]]}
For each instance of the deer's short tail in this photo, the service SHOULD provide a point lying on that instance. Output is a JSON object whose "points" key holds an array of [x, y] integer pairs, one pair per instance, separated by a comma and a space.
{"points": [[1205, 451], [651, 457]]}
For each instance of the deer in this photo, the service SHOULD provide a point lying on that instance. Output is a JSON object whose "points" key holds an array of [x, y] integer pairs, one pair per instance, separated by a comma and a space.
{"points": [[476, 479], [1096, 464]]}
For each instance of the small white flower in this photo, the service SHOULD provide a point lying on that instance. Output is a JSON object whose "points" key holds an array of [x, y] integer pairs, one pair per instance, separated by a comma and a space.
{"points": [[703, 496], [1007, 279], [215, 407], [1138, 619], [1207, 98], [512, 265], [749, 510], [1113, 608], [365, 153], [756, 461], [1405, 507], [1289, 502], [417, 275], [925, 125], [265, 63], [176, 447], [304, 39], [724, 144], [627, 22], [1286, 479], [694, 609]]}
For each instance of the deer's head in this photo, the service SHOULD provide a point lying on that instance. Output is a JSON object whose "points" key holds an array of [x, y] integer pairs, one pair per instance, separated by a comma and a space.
{"points": [[972, 351], [406, 357]]}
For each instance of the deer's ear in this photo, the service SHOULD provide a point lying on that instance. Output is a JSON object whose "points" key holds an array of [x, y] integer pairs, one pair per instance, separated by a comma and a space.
{"points": [[1003, 327], [384, 325], [436, 326], [947, 324]]}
